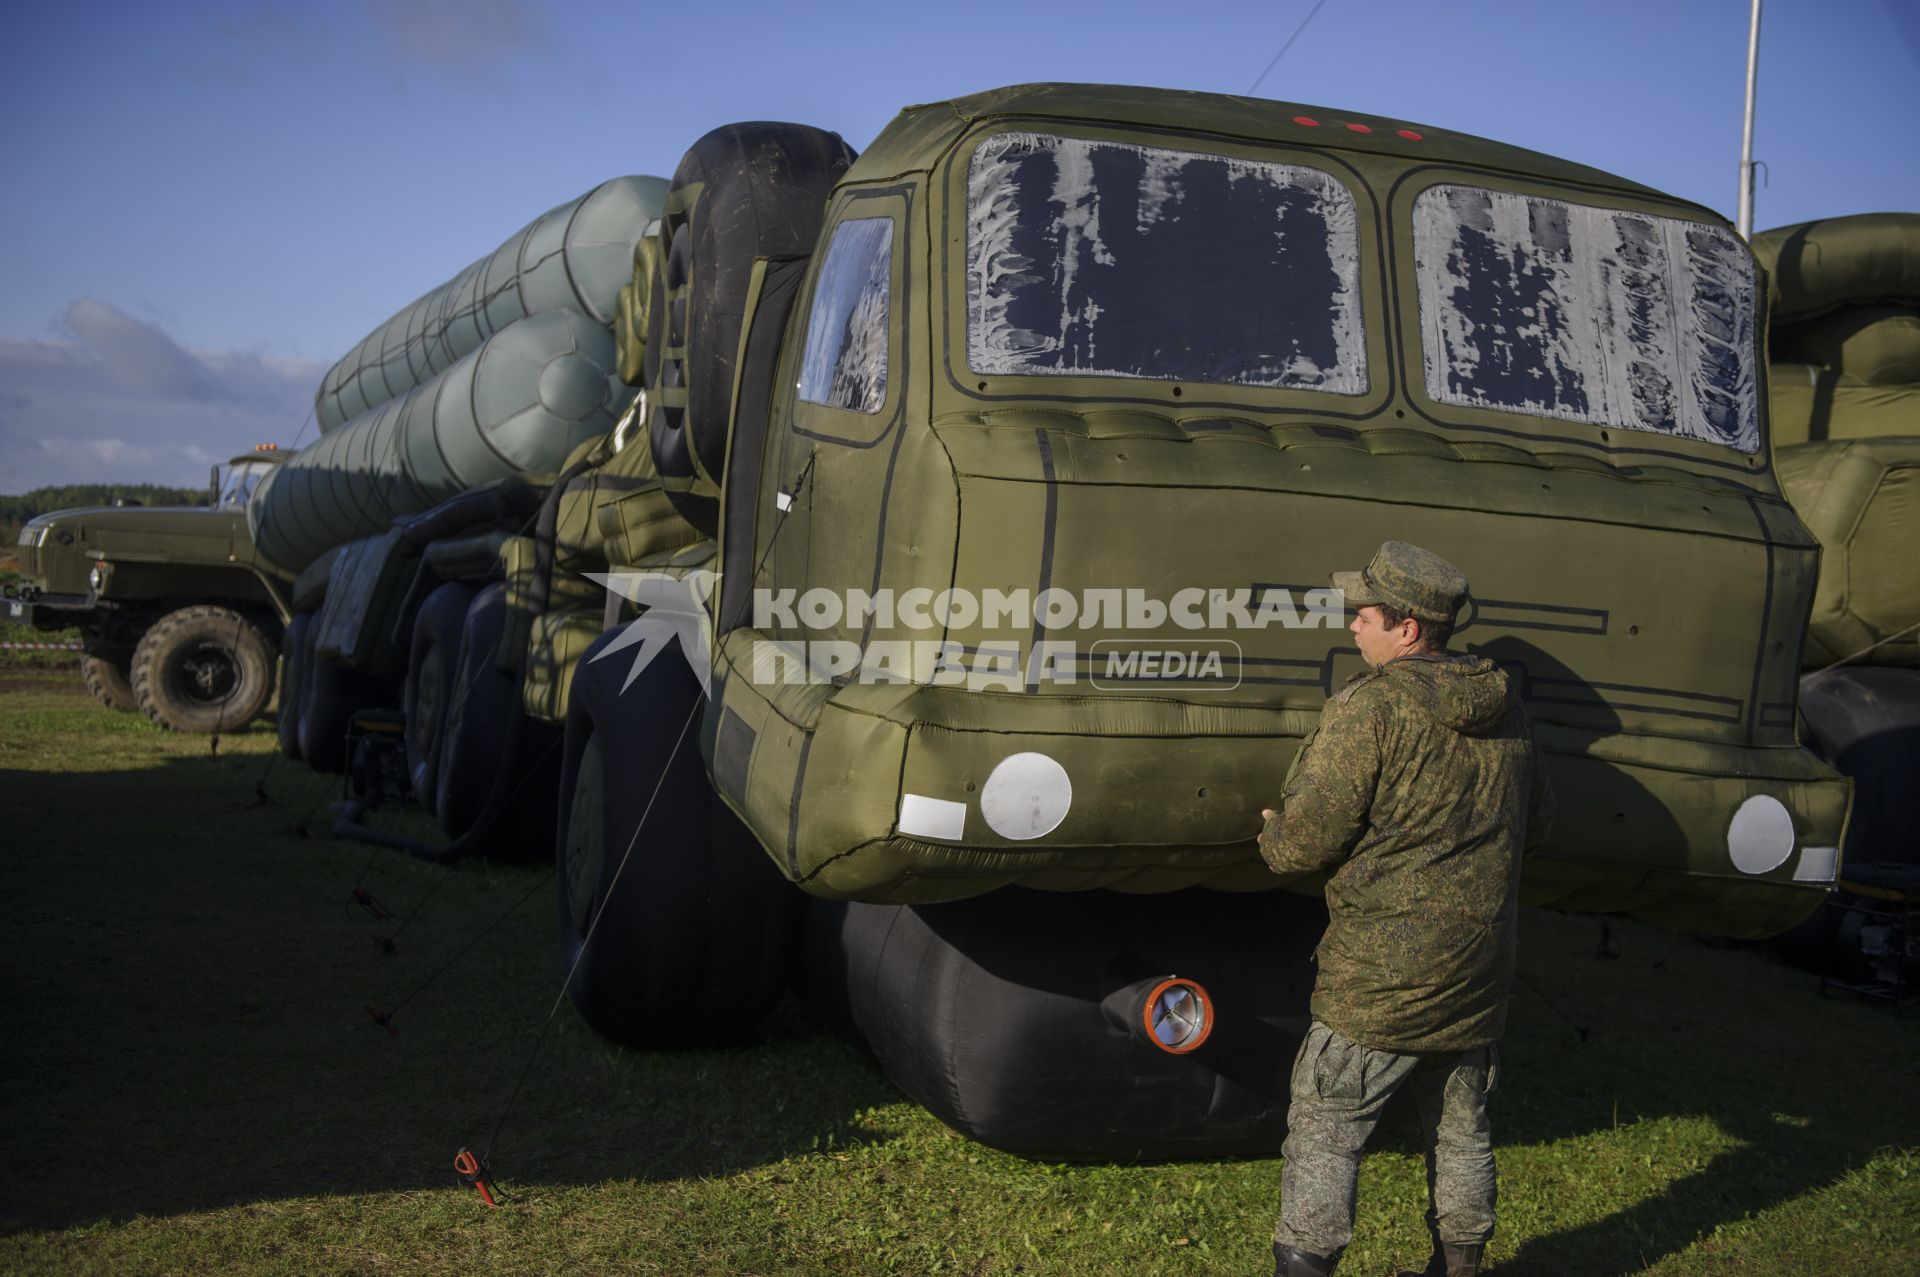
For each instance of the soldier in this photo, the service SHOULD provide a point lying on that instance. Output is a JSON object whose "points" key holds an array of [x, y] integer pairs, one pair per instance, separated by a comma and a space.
{"points": [[1416, 796]]}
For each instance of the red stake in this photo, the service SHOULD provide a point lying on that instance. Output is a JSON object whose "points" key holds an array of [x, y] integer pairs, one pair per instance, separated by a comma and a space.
{"points": [[474, 1171]]}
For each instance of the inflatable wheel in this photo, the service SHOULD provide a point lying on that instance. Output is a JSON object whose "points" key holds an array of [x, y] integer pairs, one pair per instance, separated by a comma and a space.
{"points": [[742, 191], [203, 669], [431, 661], [296, 656], [1865, 720], [108, 674], [333, 694], [697, 936]]}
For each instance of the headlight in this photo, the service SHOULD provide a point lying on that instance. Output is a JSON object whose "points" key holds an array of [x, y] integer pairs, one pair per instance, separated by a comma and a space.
{"points": [[97, 578]]}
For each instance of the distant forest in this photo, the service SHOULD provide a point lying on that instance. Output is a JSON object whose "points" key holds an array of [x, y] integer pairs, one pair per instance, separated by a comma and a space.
{"points": [[15, 511]]}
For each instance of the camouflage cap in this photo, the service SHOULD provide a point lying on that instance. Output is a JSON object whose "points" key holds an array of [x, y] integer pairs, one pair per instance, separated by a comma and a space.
{"points": [[1407, 579]]}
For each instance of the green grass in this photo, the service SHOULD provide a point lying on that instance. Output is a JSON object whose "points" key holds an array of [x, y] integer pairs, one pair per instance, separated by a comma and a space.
{"points": [[193, 1084]]}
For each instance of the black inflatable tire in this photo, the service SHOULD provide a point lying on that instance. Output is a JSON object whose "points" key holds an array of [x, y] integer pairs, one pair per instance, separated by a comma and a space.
{"points": [[1866, 722], [296, 655], [480, 715], [334, 693], [432, 663], [761, 191], [108, 675], [700, 933], [203, 669]]}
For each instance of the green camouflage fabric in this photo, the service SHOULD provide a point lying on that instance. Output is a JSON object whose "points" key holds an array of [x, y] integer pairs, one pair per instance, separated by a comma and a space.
{"points": [[1417, 794], [1339, 1089]]}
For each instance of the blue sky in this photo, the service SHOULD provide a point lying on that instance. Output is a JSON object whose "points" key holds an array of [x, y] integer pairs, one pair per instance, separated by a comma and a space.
{"points": [[204, 204]]}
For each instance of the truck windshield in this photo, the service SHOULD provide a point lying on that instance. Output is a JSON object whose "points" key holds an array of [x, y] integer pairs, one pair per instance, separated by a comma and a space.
{"points": [[1536, 306], [1107, 259], [238, 483]]}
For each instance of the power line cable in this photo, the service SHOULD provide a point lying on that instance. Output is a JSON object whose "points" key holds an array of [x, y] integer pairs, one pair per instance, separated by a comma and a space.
{"points": [[1283, 48]]}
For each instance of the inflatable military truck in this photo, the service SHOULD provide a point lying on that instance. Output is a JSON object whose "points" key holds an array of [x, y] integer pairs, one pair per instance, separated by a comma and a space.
{"points": [[179, 618], [1844, 385], [967, 509]]}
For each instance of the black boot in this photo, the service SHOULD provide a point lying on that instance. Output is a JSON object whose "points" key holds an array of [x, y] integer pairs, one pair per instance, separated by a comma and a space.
{"points": [[1288, 1262], [1450, 1261]]}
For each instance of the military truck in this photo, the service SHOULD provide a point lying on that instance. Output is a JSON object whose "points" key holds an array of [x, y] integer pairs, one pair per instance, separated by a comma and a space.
{"points": [[179, 619], [981, 492]]}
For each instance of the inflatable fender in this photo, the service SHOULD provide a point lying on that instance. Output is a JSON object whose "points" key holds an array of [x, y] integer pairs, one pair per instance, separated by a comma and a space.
{"points": [[743, 191], [1017, 1017], [432, 663], [698, 934]]}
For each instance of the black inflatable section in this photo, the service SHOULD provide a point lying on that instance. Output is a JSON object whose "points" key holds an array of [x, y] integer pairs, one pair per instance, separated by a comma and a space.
{"points": [[1003, 1014], [1866, 722], [743, 191], [432, 665], [333, 694], [298, 656], [482, 717], [699, 934]]}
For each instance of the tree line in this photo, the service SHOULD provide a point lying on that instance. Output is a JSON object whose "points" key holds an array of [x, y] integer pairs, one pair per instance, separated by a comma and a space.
{"points": [[15, 511]]}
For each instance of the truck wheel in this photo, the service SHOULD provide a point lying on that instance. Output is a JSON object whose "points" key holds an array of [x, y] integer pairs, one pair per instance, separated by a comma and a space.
{"points": [[108, 675], [742, 191], [203, 669], [431, 666], [294, 660], [699, 934]]}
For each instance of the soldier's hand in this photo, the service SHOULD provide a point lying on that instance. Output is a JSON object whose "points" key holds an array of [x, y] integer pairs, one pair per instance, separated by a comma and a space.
{"points": [[1268, 813]]}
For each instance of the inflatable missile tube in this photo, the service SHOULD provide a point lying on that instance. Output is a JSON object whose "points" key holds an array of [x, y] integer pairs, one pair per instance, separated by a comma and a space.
{"points": [[575, 257]]}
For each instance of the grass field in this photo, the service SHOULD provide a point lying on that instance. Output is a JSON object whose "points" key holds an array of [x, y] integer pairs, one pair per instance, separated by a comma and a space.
{"points": [[193, 1083]]}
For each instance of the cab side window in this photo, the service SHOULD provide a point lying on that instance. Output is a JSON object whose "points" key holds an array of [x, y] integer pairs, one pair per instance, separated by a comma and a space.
{"points": [[845, 364]]}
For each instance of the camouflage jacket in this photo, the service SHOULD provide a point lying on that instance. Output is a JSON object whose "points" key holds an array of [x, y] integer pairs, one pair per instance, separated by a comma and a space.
{"points": [[1417, 795]]}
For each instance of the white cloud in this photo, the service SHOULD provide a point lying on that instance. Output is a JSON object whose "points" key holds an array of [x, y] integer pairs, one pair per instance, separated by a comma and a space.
{"points": [[116, 399]]}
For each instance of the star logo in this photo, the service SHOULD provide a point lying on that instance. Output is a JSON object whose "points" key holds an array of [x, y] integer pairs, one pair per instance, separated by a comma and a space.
{"points": [[675, 608]]}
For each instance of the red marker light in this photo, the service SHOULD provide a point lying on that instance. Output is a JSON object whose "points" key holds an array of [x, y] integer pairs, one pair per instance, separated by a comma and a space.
{"points": [[1359, 128], [1306, 121], [1411, 136]]}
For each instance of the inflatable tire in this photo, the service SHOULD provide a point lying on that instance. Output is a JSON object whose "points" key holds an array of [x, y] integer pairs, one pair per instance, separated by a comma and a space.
{"points": [[1865, 720], [481, 715], [1016, 1017], [203, 669], [108, 674], [743, 191], [697, 936], [432, 659], [296, 655], [334, 693]]}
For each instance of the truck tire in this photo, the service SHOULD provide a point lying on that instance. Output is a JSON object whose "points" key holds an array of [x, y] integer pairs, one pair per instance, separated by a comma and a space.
{"points": [[203, 669], [699, 935], [432, 661], [294, 661], [742, 191], [108, 675]]}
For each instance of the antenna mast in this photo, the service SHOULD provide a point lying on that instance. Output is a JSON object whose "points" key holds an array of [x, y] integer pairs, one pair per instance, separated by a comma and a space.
{"points": [[1745, 220]]}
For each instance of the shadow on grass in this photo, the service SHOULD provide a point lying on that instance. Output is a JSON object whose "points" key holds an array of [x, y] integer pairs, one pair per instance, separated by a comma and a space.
{"points": [[1801, 1090], [186, 1027]]}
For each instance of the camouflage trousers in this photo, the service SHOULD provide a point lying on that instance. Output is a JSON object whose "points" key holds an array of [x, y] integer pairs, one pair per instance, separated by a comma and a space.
{"points": [[1339, 1089]]}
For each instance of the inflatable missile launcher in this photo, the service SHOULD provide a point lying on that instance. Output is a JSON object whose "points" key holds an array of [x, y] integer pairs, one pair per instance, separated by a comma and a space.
{"points": [[970, 506]]}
